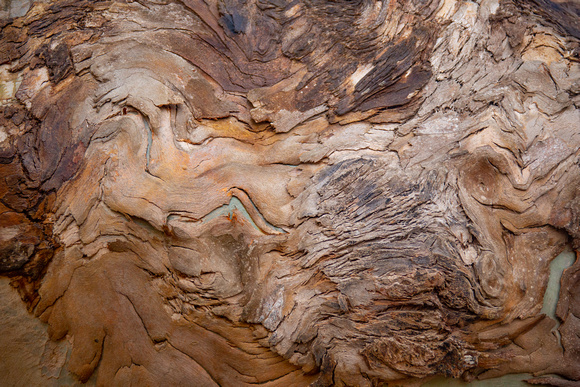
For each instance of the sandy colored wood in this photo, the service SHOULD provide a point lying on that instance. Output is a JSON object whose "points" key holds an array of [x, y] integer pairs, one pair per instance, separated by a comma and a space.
{"points": [[308, 193]]}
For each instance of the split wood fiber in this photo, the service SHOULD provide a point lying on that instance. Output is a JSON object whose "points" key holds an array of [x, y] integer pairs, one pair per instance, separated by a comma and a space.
{"points": [[347, 193]]}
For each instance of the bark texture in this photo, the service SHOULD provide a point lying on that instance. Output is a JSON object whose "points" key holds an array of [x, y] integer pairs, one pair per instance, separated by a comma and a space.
{"points": [[203, 193]]}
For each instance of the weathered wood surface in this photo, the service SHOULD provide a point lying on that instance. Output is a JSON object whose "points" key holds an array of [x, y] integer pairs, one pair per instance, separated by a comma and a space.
{"points": [[285, 193]]}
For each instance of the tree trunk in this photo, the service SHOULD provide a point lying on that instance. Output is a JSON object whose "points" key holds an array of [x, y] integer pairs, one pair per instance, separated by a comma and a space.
{"points": [[201, 193]]}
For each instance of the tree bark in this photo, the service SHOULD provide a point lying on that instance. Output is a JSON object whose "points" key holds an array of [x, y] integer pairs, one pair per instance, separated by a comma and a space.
{"points": [[289, 193]]}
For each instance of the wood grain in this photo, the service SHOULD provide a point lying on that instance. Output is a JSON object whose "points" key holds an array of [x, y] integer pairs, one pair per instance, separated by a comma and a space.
{"points": [[348, 193]]}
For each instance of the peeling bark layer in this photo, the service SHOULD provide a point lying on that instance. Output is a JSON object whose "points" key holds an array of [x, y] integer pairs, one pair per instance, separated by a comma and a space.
{"points": [[326, 193]]}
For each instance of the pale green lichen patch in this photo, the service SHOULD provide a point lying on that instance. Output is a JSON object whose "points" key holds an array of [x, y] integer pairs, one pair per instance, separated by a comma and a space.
{"points": [[557, 267], [228, 211], [234, 205]]}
